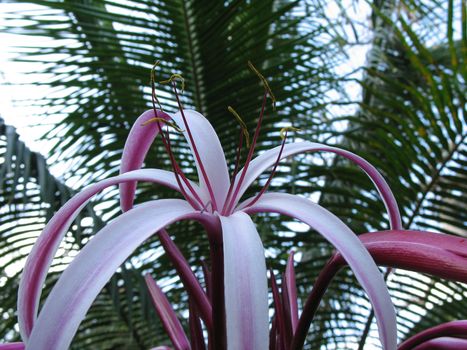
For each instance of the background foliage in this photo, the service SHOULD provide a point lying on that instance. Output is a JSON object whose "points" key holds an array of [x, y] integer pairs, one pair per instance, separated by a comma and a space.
{"points": [[409, 121]]}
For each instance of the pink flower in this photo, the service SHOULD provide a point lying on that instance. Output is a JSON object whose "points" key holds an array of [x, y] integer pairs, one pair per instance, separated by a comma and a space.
{"points": [[240, 272]]}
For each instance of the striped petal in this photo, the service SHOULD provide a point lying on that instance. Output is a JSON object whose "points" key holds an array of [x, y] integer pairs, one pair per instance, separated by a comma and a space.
{"points": [[268, 158], [44, 249], [211, 154], [426, 252], [245, 283], [136, 147], [88, 273], [169, 319], [348, 244]]}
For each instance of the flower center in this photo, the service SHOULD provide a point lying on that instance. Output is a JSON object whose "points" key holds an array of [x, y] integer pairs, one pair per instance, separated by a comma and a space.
{"points": [[236, 181]]}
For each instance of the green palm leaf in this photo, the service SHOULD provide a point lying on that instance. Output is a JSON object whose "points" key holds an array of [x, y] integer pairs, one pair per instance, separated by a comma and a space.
{"points": [[410, 124]]}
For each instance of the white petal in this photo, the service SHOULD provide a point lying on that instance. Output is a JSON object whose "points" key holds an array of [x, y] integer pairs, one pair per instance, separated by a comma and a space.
{"points": [[245, 282], [210, 152], [268, 158], [351, 248], [84, 278], [44, 249]]}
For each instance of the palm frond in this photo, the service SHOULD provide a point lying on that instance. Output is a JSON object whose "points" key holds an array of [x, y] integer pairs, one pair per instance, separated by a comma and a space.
{"points": [[411, 125]]}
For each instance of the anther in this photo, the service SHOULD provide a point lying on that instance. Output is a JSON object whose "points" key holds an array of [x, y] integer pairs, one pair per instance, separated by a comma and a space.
{"points": [[242, 125], [162, 120], [265, 83], [283, 132], [172, 79]]}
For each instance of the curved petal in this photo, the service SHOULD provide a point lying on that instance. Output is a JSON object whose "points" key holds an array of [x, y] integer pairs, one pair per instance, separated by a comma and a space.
{"points": [[136, 147], [246, 289], [208, 146], [88, 273], [348, 244], [420, 251], [444, 343], [12, 346], [448, 330], [291, 291], [44, 249], [268, 158], [188, 278], [426, 252], [210, 153], [167, 315]]}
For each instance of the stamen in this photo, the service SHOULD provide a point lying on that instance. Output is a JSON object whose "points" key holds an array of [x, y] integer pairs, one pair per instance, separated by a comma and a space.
{"points": [[283, 133], [153, 87], [242, 125], [162, 120], [250, 155], [267, 91], [265, 83], [172, 79], [268, 182], [195, 150], [234, 174], [166, 141], [205, 207], [179, 173]]}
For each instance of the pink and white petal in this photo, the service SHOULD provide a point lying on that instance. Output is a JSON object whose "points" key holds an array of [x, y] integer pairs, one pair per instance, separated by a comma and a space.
{"points": [[210, 152], [432, 253], [136, 147], [449, 330], [12, 346], [245, 283], [188, 278], [268, 158], [444, 343], [43, 251], [172, 325], [83, 279], [291, 288], [348, 244]]}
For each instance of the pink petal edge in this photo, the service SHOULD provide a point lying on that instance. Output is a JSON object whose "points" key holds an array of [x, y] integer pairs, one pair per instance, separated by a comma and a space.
{"points": [[292, 291], [448, 330], [167, 315], [268, 158], [12, 346], [348, 244], [136, 147], [87, 274], [444, 343], [210, 151], [43, 251], [188, 278]]}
